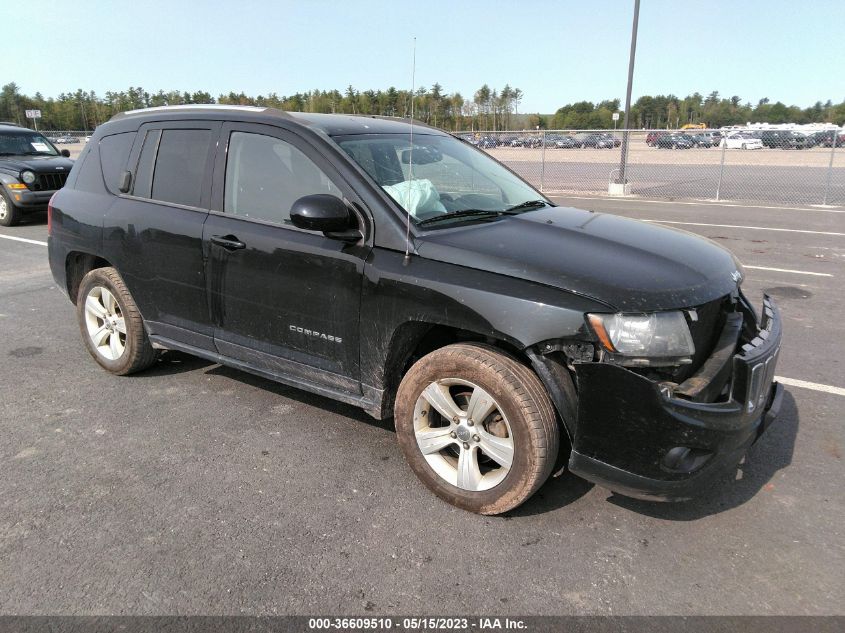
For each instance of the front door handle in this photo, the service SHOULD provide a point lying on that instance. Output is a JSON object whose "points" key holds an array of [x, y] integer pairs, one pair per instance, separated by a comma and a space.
{"points": [[229, 242]]}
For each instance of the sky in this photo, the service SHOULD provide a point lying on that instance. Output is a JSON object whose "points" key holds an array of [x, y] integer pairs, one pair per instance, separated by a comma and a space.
{"points": [[556, 52]]}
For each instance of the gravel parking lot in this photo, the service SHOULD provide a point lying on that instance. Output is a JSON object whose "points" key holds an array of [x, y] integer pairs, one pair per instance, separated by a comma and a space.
{"points": [[196, 489]]}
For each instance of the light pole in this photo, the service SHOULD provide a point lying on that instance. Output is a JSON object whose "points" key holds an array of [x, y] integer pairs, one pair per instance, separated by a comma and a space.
{"points": [[624, 149]]}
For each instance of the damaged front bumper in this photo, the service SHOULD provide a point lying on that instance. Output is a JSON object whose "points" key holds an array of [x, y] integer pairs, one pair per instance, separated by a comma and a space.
{"points": [[662, 441]]}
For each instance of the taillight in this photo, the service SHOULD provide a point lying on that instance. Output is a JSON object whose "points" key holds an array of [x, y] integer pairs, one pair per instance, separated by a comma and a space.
{"points": [[50, 215]]}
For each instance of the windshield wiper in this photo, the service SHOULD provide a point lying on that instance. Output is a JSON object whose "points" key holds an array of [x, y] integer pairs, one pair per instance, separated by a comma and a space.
{"points": [[459, 214], [514, 210], [528, 204]]}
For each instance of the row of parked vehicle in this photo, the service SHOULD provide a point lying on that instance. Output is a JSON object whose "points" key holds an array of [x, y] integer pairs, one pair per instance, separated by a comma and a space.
{"points": [[732, 139], [552, 140], [67, 139], [746, 139]]}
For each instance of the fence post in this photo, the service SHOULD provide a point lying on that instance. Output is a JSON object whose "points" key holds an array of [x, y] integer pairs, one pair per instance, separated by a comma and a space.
{"points": [[830, 166], [721, 167], [543, 161]]}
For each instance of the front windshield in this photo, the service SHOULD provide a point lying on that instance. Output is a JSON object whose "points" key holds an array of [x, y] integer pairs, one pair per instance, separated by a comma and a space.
{"points": [[448, 177], [25, 144]]}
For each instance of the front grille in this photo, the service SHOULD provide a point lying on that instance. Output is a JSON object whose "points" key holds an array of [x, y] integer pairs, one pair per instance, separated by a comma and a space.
{"points": [[705, 330], [49, 182]]}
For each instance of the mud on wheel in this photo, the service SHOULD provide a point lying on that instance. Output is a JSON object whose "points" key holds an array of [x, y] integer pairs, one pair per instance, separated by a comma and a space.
{"points": [[111, 325], [477, 427]]}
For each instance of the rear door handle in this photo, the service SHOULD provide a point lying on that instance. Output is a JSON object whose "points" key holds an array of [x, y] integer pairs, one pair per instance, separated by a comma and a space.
{"points": [[229, 242]]}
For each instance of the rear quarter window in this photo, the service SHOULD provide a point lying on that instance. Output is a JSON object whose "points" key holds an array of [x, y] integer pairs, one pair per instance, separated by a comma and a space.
{"points": [[89, 178], [114, 154]]}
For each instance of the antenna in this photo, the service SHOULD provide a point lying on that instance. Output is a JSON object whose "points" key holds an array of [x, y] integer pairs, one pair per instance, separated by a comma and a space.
{"points": [[410, 159]]}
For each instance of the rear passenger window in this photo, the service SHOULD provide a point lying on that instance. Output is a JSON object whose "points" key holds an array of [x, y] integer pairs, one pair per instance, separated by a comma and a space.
{"points": [[266, 175], [180, 166], [114, 152]]}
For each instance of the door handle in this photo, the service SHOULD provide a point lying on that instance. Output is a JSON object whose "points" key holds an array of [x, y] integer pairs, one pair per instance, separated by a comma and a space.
{"points": [[229, 242]]}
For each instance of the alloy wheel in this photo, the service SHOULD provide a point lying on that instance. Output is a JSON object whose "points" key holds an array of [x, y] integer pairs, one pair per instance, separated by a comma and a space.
{"points": [[105, 323], [463, 434]]}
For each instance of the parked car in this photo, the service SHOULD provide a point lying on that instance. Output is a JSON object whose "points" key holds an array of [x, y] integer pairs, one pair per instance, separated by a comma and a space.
{"points": [[799, 140], [595, 139], [565, 142], [675, 141], [706, 139], [534, 140], [700, 140], [774, 138], [617, 142], [67, 139], [487, 142], [825, 138], [742, 140], [486, 321], [31, 170], [651, 138]]}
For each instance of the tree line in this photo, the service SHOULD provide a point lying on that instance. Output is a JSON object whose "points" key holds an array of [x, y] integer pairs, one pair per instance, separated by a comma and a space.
{"points": [[487, 109], [671, 112]]}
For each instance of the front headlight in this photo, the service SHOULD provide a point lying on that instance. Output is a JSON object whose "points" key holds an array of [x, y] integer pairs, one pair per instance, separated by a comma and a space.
{"points": [[28, 177], [656, 339]]}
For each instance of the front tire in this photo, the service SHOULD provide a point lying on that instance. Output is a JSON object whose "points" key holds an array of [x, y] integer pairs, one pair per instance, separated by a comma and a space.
{"points": [[111, 325], [477, 427], [9, 213]]}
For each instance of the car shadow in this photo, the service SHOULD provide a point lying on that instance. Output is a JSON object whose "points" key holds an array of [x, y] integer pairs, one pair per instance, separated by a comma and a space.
{"points": [[174, 362], [556, 493], [772, 453], [31, 219], [302, 396], [171, 362]]}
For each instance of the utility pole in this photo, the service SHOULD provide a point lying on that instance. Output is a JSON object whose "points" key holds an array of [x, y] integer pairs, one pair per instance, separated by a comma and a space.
{"points": [[626, 123]]}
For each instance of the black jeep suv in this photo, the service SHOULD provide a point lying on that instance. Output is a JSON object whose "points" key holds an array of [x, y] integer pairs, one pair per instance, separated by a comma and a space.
{"points": [[31, 170], [408, 273]]}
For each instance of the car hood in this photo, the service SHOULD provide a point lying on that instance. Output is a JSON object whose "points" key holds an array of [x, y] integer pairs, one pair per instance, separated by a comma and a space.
{"points": [[629, 265], [38, 164]]}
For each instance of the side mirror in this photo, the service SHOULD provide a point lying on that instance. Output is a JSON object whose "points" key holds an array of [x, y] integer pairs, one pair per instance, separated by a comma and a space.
{"points": [[65, 153], [124, 184], [321, 212]]}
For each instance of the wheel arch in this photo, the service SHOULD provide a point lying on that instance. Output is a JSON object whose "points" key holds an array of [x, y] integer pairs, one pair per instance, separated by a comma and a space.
{"points": [[414, 339], [77, 265]]}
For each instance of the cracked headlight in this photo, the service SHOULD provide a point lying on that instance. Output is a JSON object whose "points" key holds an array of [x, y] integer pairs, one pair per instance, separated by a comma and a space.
{"points": [[649, 340]]}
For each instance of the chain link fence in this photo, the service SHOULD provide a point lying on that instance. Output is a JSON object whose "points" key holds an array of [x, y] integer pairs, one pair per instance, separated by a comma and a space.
{"points": [[787, 165]]}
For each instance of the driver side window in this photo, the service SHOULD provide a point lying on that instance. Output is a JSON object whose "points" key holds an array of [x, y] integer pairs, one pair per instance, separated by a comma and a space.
{"points": [[266, 175]]}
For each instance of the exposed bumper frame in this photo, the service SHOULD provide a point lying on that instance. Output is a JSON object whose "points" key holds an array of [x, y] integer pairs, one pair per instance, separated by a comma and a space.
{"points": [[627, 428]]}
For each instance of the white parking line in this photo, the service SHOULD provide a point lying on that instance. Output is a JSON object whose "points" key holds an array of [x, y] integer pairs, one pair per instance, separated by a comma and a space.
{"points": [[786, 270], [22, 239], [697, 203], [754, 228], [794, 382]]}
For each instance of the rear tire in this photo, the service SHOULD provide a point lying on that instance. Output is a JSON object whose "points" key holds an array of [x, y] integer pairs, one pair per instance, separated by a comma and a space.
{"points": [[9, 213], [111, 325], [497, 443]]}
